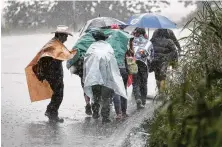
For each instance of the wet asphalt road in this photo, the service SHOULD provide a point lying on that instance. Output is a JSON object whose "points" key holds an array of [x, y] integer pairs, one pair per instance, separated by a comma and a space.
{"points": [[23, 123]]}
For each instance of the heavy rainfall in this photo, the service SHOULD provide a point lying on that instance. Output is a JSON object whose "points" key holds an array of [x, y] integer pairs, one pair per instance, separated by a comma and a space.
{"points": [[111, 73]]}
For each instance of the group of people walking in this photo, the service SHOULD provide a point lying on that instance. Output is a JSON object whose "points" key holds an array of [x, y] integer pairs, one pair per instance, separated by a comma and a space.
{"points": [[106, 66]]}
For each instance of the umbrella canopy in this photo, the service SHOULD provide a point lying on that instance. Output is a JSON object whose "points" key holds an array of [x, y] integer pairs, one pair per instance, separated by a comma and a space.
{"points": [[101, 22], [149, 20]]}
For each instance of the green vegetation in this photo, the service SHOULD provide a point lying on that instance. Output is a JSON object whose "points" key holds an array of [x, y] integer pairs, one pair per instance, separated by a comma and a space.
{"points": [[191, 114]]}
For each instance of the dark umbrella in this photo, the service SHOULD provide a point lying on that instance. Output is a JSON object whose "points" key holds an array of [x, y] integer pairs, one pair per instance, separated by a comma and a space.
{"points": [[102, 22]]}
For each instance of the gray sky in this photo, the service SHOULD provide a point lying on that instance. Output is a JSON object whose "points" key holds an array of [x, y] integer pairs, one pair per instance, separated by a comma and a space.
{"points": [[175, 11]]}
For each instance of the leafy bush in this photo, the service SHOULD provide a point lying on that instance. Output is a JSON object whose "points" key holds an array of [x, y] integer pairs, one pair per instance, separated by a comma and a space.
{"points": [[191, 115]]}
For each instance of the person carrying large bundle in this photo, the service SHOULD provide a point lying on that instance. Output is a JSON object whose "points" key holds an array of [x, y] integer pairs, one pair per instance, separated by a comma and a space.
{"points": [[45, 73], [118, 39], [101, 76]]}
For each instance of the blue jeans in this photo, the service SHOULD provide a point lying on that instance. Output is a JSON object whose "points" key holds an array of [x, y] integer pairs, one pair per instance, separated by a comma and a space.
{"points": [[120, 103]]}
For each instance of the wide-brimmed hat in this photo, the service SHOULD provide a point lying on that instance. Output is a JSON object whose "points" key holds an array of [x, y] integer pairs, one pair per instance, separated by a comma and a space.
{"points": [[62, 29]]}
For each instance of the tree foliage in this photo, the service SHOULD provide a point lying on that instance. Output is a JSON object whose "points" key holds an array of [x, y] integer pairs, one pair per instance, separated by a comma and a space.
{"points": [[49, 14]]}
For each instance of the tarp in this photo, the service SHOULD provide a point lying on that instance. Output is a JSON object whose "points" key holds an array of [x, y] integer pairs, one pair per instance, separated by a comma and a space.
{"points": [[100, 68], [118, 39], [41, 90]]}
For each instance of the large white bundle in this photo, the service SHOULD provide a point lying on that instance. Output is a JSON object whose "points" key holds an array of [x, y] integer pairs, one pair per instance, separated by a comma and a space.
{"points": [[100, 67]]}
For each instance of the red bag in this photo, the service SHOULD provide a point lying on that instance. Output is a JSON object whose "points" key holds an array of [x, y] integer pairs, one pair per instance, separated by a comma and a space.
{"points": [[130, 80]]}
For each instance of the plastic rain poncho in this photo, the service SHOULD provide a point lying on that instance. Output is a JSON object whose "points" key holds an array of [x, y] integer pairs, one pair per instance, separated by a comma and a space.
{"points": [[142, 48], [100, 68]]}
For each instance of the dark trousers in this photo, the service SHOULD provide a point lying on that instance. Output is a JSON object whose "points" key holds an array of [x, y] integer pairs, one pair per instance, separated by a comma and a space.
{"points": [[160, 70], [120, 103], [51, 70], [87, 99], [57, 87], [140, 83], [102, 93]]}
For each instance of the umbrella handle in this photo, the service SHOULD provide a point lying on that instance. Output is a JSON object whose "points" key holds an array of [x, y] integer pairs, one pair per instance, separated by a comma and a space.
{"points": [[148, 33]]}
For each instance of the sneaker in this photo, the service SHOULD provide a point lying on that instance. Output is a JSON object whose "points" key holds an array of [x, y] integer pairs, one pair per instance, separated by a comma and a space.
{"points": [[118, 117], [54, 118], [106, 120], [144, 103], [139, 104], [140, 107], [95, 115], [125, 115], [88, 109]]}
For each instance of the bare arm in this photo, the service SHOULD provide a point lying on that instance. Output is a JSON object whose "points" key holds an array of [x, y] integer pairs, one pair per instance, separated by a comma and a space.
{"points": [[74, 51]]}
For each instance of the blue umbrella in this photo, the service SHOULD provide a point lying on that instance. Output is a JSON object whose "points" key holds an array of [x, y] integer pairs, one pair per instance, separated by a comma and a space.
{"points": [[149, 20]]}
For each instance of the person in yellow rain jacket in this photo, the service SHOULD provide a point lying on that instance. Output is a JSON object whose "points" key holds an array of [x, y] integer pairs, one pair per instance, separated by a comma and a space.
{"points": [[48, 70]]}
